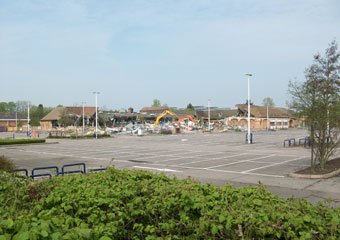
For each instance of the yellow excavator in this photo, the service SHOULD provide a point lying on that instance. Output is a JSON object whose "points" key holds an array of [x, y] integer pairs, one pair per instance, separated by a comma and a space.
{"points": [[162, 115]]}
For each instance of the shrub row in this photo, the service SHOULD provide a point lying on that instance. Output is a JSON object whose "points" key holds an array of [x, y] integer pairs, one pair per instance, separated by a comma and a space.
{"points": [[20, 141], [123, 204]]}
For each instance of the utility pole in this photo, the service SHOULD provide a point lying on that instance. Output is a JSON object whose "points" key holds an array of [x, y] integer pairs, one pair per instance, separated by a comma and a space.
{"points": [[209, 114], [249, 75], [83, 117], [28, 119], [267, 118], [96, 93]]}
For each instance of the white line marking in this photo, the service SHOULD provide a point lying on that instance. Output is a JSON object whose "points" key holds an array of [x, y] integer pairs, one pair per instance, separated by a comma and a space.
{"points": [[212, 159], [218, 170], [248, 160], [158, 169], [270, 165]]}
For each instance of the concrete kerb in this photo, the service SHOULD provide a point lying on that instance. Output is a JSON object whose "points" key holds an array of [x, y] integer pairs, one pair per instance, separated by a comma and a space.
{"points": [[315, 176]]}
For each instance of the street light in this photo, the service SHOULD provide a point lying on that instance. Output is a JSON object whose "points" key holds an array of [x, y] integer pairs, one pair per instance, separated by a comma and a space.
{"points": [[83, 117], [28, 119], [209, 114], [249, 75], [96, 93]]}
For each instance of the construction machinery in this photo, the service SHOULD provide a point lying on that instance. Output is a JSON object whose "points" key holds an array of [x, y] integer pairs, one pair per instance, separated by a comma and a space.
{"points": [[185, 118], [162, 115]]}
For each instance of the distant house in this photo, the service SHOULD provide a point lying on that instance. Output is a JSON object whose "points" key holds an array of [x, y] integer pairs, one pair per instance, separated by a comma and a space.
{"points": [[10, 122], [51, 120], [277, 117], [153, 110], [216, 114]]}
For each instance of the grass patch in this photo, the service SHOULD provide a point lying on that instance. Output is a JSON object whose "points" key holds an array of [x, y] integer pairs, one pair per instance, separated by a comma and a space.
{"points": [[123, 204], [20, 141], [79, 137], [6, 164]]}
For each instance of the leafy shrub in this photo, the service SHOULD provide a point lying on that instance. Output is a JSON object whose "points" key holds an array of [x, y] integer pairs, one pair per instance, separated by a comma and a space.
{"points": [[6, 164], [123, 204], [20, 141]]}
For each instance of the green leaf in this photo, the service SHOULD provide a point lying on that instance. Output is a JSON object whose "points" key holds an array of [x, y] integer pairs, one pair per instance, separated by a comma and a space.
{"points": [[8, 224], [214, 229], [105, 238], [44, 233], [306, 218]]}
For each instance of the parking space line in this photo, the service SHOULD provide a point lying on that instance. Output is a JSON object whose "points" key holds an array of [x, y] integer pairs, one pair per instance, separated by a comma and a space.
{"points": [[248, 160], [211, 159], [218, 170], [270, 165]]}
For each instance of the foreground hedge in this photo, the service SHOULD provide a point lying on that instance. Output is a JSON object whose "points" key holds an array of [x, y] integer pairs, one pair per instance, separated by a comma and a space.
{"points": [[122, 204], [20, 141]]}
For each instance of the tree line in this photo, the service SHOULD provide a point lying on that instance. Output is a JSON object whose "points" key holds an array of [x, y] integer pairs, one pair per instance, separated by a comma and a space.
{"points": [[36, 112]]}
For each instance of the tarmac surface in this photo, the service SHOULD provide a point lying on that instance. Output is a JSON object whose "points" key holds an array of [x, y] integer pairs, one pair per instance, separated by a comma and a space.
{"points": [[216, 158]]}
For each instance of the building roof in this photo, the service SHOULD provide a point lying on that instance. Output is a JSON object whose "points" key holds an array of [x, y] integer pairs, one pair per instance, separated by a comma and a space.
{"points": [[8, 116], [216, 113], [261, 111], [154, 109], [56, 113]]}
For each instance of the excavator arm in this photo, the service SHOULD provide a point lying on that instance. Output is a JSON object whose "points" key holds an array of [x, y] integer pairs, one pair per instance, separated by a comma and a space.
{"points": [[185, 118], [162, 115]]}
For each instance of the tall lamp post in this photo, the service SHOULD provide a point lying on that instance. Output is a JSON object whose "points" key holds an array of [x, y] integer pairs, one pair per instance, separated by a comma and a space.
{"points": [[83, 117], [209, 114], [249, 75], [96, 93], [28, 119]]}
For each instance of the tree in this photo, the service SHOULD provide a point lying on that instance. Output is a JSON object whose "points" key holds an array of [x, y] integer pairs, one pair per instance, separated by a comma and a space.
{"points": [[22, 106], [190, 107], [268, 102], [156, 103], [251, 103], [317, 100]]}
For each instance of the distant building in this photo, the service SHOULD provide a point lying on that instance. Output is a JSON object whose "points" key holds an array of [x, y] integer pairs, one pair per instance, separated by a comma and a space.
{"points": [[11, 122], [154, 110], [278, 117], [51, 120]]}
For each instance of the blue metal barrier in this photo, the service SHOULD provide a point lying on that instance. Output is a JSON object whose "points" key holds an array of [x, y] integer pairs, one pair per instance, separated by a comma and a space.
{"points": [[22, 170], [44, 174], [284, 142], [73, 171], [292, 140], [302, 139], [97, 169]]}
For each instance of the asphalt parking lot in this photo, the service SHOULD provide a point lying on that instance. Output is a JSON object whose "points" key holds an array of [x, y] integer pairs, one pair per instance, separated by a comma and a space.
{"points": [[210, 158]]}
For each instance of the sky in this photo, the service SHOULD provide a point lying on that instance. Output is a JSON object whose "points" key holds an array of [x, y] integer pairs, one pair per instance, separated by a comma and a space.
{"points": [[178, 51]]}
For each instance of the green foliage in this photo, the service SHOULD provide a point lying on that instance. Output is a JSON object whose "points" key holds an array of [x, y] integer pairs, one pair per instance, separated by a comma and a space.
{"points": [[37, 113], [20, 141], [190, 107], [156, 103], [6, 164], [123, 204], [268, 102], [7, 107]]}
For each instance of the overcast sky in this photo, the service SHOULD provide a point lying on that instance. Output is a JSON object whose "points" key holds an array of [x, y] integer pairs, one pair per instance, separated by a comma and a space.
{"points": [[178, 51]]}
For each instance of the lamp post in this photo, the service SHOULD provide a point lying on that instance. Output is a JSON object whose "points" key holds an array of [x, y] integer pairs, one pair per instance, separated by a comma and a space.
{"points": [[83, 117], [28, 119], [249, 75], [209, 114], [96, 93]]}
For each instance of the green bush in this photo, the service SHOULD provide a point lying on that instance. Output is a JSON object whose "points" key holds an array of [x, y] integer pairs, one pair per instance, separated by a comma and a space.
{"points": [[20, 141], [6, 164], [123, 204]]}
